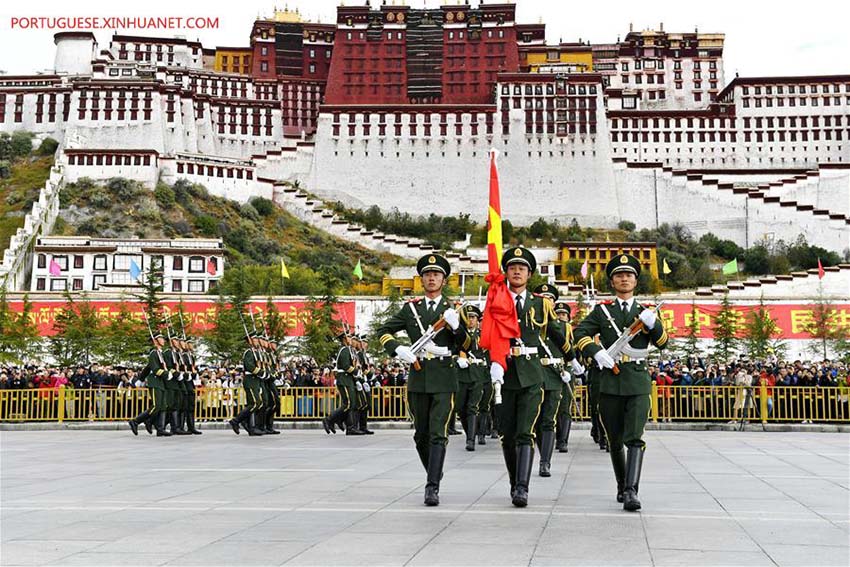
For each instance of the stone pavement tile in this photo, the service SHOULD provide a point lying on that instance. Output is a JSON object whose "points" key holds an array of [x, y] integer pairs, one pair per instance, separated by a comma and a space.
{"points": [[117, 559], [298, 526], [341, 557], [88, 530], [390, 523], [779, 508], [229, 552], [678, 557], [819, 555], [365, 544], [472, 554], [24, 552], [599, 549], [807, 533], [167, 542], [722, 534], [615, 527]]}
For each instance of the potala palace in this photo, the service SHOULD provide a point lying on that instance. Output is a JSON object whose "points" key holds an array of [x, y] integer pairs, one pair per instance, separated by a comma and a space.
{"points": [[398, 107]]}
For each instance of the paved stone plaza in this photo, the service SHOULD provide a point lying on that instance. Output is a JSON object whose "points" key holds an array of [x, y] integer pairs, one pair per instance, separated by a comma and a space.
{"points": [[304, 498]]}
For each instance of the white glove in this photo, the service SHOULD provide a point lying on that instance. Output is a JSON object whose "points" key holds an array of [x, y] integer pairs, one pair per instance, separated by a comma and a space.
{"points": [[452, 318], [359, 387], [577, 367], [404, 353], [603, 359], [462, 362], [366, 387], [497, 373], [565, 377], [648, 318]]}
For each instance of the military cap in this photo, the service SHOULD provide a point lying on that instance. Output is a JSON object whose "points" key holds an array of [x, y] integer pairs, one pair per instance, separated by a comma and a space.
{"points": [[562, 307], [622, 263], [471, 309], [547, 289], [433, 263], [519, 255], [341, 335], [158, 335]]}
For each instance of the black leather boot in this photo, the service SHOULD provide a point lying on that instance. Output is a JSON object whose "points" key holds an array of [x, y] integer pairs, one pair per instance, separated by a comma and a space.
{"points": [[453, 425], [547, 447], [634, 463], [436, 458], [177, 424], [352, 424], [494, 427], [239, 420], [567, 426], [363, 422], [471, 422], [149, 423], [160, 425], [482, 427], [524, 462], [190, 422], [269, 422], [141, 418], [509, 453], [618, 461], [253, 431]]}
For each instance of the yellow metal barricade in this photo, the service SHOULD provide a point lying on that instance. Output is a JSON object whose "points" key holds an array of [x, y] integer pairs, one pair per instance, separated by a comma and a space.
{"points": [[782, 404]]}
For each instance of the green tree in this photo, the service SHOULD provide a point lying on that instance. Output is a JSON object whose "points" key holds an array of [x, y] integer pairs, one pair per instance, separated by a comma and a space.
{"points": [[725, 330], [824, 327], [759, 330], [152, 286], [225, 340], [691, 338], [77, 332], [574, 270], [393, 306], [322, 326], [124, 339]]}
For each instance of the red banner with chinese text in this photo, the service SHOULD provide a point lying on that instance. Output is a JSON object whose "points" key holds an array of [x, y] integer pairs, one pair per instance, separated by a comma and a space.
{"points": [[199, 314]]}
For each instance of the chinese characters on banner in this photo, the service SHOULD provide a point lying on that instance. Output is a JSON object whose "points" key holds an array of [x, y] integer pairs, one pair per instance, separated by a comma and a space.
{"points": [[199, 314]]}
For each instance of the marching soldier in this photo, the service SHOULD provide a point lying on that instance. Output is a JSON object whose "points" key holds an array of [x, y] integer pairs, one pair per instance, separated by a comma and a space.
{"points": [[555, 380], [564, 418], [485, 422], [173, 387], [624, 383], [346, 367], [189, 386], [433, 378], [154, 373], [252, 371], [522, 383], [270, 394], [593, 382], [472, 374], [364, 391]]}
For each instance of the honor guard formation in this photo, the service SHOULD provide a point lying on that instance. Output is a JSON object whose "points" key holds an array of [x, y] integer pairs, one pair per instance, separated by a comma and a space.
{"points": [[524, 399]]}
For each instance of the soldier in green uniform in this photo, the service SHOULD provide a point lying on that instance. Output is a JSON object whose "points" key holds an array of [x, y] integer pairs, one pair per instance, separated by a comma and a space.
{"points": [[252, 370], [153, 373], [432, 386], [522, 390], [555, 380], [484, 408], [593, 392], [364, 389], [346, 367], [270, 393], [173, 388], [564, 418], [624, 383], [472, 374], [189, 356]]}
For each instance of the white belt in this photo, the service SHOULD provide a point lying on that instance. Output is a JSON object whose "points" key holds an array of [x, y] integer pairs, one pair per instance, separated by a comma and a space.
{"points": [[431, 356], [627, 358], [478, 362], [523, 351], [437, 350], [551, 361]]}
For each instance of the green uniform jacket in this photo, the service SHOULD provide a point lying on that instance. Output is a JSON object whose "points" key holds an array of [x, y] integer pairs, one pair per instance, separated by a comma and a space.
{"points": [[537, 322], [476, 373], [552, 376], [633, 379], [155, 370], [436, 375], [249, 362], [345, 368]]}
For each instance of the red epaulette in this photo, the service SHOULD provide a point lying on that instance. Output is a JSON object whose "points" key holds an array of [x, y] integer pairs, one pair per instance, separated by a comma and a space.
{"points": [[606, 302]]}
